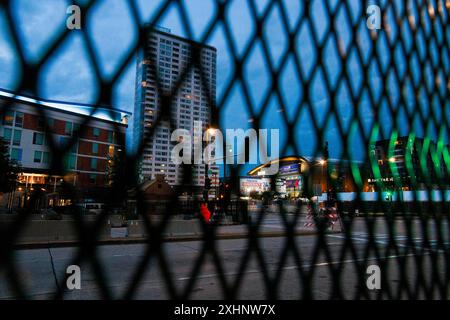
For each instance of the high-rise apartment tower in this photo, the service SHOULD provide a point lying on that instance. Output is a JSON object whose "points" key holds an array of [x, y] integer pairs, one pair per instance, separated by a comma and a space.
{"points": [[164, 59]]}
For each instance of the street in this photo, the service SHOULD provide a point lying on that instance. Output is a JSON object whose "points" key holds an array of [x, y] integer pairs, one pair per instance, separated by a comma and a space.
{"points": [[119, 263]]}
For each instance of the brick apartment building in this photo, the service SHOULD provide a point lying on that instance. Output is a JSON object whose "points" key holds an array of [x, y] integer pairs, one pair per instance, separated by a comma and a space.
{"points": [[33, 140]]}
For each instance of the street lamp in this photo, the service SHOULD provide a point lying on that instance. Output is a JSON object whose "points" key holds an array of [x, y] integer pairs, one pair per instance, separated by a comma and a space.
{"points": [[211, 131], [228, 153], [321, 163], [207, 185]]}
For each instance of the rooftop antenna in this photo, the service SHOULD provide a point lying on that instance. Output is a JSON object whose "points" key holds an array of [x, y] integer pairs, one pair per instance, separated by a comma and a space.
{"points": [[159, 28]]}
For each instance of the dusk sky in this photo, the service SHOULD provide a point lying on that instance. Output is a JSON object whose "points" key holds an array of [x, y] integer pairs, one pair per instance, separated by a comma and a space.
{"points": [[69, 75]]}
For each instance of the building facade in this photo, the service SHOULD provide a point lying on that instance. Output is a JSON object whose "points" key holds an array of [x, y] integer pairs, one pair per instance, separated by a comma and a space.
{"points": [[56, 141], [164, 60], [297, 173], [409, 162]]}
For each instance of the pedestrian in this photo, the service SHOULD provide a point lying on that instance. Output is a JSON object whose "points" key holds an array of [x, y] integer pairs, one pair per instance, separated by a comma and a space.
{"points": [[204, 211]]}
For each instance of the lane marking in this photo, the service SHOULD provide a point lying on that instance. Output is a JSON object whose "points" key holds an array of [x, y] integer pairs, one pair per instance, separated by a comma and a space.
{"points": [[321, 264], [397, 244]]}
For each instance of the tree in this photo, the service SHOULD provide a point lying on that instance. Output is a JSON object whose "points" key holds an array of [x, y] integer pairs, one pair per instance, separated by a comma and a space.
{"points": [[8, 170], [119, 176]]}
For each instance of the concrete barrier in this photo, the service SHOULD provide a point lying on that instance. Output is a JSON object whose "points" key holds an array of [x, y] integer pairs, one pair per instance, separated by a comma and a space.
{"points": [[47, 231], [43, 231], [36, 231], [116, 221], [137, 228], [183, 228]]}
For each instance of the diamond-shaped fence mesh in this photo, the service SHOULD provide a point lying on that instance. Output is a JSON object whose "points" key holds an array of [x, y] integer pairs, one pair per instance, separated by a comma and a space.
{"points": [[379, 96]]}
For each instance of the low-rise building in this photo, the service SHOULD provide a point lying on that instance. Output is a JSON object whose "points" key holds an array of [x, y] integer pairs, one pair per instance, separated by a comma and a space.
{"points": [[59, 141]]}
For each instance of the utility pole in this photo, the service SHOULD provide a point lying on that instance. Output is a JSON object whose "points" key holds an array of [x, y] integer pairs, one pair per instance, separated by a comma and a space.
{"points": [[326, 157]]}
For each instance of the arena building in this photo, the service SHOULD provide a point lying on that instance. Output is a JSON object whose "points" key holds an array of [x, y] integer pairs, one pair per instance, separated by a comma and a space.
{"points": [[297, 173]]}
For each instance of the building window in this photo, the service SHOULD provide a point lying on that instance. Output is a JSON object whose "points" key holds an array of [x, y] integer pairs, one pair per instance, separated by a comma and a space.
{"points": [[41, 123], [38, 138], [110, 136], [64, 142], [46, 158], [8, 118], [17, 137], [95, 148], [96, 132], [37, 156], [16, 154], [68, 128], [51, 122], [70, 162], [7, 134], [19, 119], [94, 164]]}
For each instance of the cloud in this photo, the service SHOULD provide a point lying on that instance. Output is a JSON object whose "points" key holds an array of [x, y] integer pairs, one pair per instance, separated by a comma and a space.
{"points": [[38, 22], [69, 75], [113, 33], [8, 59]]}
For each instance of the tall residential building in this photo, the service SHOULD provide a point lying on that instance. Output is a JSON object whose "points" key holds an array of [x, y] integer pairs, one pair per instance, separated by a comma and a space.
{"points": [[28, 136], [167, 56]]}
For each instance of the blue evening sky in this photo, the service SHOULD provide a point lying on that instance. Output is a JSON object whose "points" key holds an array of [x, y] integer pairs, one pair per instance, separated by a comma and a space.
{"points": [[69, 76]]}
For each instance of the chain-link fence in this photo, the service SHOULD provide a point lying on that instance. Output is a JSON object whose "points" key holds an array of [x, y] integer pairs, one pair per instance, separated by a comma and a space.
{"points": [[372, 78]]}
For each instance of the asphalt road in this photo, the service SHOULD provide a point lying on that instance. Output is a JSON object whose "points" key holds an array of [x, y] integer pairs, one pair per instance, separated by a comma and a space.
{"points": [[402, 267]]}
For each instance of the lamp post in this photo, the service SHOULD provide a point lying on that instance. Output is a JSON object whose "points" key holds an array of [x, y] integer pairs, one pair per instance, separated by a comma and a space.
{"points": [[227, 148], [326, 156], [207, 185], [322, 164]]}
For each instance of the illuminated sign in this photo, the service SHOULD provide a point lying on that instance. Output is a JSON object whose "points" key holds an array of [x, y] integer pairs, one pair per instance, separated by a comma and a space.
{"points": [[249, 185], [292, 168]]}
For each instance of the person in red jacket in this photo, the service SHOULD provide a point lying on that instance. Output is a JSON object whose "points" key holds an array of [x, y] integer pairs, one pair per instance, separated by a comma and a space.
{"points": [[204, 211]]}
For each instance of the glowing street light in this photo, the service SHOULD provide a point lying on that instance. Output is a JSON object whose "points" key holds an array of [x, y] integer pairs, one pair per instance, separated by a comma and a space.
{"points": [[211, 131]]}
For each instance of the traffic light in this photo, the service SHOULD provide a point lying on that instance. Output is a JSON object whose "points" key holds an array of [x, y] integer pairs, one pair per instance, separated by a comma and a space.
{"points": [[224, 191], [207, 183], [227, 192]]}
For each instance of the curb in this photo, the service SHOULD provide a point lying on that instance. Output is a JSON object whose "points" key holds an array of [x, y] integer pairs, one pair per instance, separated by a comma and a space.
{"points": [[141, 240]]}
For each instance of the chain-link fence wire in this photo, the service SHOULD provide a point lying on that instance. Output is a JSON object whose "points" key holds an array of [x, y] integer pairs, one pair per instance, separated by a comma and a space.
{"points": [[416, 92]]}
